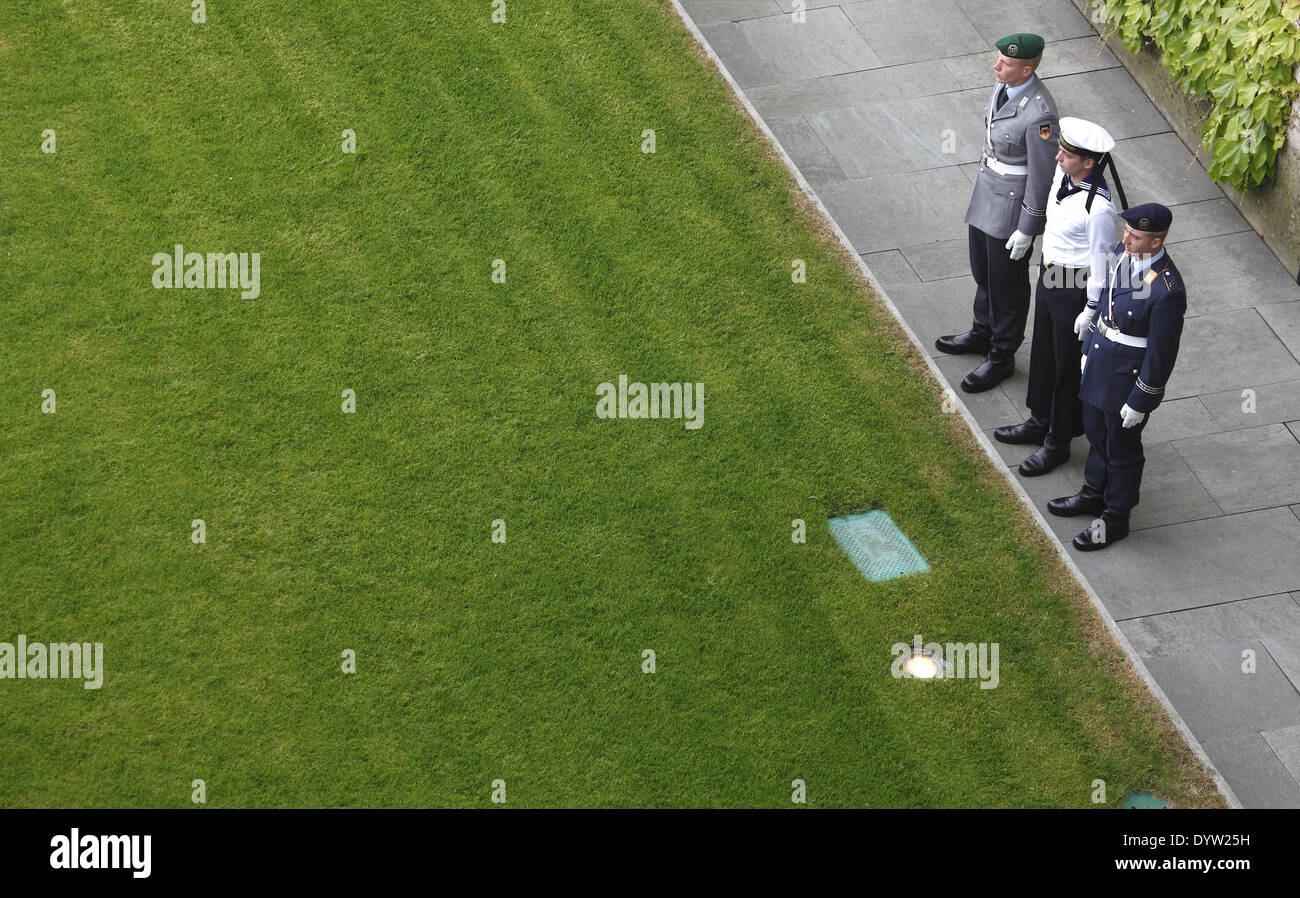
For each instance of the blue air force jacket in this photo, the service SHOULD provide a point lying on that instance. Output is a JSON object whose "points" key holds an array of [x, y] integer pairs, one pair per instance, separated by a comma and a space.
{"points": [[1117, 374]]}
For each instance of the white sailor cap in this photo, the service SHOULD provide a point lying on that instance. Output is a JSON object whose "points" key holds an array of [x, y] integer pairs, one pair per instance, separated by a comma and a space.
{"points": [[1084, 138]]}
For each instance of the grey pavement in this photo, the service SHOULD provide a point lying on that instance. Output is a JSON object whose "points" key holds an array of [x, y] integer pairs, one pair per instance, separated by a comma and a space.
{"points": [[879, 105]]}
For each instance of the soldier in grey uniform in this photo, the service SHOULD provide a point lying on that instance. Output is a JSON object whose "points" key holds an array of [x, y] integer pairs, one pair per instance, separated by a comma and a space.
{"points": [[1008, 208]]}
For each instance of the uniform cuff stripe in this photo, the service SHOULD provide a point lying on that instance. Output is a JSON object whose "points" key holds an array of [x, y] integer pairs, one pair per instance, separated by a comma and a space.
{"points": [[1154, 391]]}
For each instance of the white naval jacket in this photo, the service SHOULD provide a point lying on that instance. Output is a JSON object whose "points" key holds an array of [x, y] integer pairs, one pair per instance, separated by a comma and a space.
{"points": [[1078, 238]]}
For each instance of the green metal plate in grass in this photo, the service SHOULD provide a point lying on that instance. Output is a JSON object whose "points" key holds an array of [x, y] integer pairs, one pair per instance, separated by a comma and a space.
{"points": [[874, 543], [1144, 800]]}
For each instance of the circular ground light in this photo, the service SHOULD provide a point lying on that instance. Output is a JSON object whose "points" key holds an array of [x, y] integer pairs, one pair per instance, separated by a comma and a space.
{"points": [[923, 666]]}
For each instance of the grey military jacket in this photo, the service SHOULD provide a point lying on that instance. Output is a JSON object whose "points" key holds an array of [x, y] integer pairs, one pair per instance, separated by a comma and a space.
{"points": [[1022, 133]]}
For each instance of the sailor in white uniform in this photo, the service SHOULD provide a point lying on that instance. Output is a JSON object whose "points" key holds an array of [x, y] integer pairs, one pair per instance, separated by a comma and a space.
{"points": [[1077, 243]]}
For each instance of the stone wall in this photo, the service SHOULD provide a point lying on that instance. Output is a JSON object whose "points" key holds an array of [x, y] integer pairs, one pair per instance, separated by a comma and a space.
{"points": [[1274, 209]]}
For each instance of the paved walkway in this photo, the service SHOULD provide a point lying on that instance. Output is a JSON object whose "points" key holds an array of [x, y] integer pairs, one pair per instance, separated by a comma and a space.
{"points": [[890, 143]]}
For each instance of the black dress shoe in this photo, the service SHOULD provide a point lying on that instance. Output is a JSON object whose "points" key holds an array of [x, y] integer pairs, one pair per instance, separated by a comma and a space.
{"points": [[1031, 431], [1107, 530], [1086, 501], [1048, 458], [960, 344], [995, 369]]}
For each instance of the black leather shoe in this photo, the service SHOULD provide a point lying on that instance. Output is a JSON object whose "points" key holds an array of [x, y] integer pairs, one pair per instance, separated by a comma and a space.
{"points": [[996, 368], [960, 344], [1048, 458], [1032, 431], [1085, 501], [1107, 530]]}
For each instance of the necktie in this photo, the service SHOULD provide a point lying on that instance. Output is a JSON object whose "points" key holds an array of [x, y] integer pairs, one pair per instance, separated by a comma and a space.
{"points": [[1002, 97], [1067, 188]]}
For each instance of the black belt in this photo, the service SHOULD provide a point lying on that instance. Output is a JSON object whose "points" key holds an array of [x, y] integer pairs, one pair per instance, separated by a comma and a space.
{"points": [[1048, 266]]}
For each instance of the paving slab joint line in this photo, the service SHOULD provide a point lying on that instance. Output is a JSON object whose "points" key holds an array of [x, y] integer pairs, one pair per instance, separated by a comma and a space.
{"points": [[989, 450]]}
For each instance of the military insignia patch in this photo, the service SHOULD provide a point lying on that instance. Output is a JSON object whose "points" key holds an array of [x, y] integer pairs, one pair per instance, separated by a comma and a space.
{"points": [[1011, 50], [1045, 131], [1151, 277]]}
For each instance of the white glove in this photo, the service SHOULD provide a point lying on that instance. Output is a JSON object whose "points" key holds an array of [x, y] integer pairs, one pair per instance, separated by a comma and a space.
{"points": [[1131, 418], [1083, 363], [1019, 245], [1081, 323]]}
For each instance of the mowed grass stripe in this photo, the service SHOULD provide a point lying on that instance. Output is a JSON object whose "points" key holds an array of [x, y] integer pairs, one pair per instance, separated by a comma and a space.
{"points": [[476, 401]]}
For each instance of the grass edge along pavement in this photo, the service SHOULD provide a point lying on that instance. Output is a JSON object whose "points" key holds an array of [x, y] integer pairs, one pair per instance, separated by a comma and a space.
{"points": [[475, 401], [1101, 635]]}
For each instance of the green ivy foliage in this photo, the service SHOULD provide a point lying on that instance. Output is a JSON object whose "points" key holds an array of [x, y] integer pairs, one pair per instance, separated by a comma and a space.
{"points": [[1239, 54]]}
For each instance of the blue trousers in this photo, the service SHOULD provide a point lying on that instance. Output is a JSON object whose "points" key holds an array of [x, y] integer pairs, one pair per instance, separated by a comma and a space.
{"points": [[1115, 460]]}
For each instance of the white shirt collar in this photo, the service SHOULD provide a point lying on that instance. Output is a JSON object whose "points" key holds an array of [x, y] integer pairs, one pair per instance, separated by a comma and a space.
{"points": [[1141, 265]]}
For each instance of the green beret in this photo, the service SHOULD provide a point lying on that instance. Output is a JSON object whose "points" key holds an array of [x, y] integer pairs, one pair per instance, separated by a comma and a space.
{"points": [[1021, 46]]}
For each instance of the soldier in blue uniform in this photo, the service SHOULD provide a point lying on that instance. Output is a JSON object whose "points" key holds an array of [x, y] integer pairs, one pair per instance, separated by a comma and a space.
{"points": [[1129, 349]]}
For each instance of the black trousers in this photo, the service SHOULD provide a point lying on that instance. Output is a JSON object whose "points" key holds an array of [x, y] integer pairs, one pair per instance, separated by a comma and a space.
{"points": [[1059, 296], [1115, 460], [1001, 291]]}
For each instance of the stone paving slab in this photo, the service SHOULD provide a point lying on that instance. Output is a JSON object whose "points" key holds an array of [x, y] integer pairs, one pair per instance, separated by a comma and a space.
{"points": [[762, 51], [945, 307], [1246, 469], [899, 135], [1272, 404], [788, 5], [806, 149], [1171, 490], [1053, 20], [1206, 218], [1069, 57], [1178, 419], [1284, 319], [1234, 271], [932, 309], [941, 259], [1259, 779], [1285, 743], [1248, 620], [894, 28], [1228, 710], [898, 82], [892, 211], [992, 408], [1197, 563], [1284, 649], [1229, 351], [711, 12], [891, 268], [1178, 178], [1109, 97], [1216, 697]]}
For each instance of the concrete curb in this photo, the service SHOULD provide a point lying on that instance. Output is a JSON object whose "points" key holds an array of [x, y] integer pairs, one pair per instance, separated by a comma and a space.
{"points": [[989, 450]]}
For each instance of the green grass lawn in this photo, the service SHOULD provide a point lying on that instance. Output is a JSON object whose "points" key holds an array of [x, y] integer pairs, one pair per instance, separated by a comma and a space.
{"points": [[476, 401]]}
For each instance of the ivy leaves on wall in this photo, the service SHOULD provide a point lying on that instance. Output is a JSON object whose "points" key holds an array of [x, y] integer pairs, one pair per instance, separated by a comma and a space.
{"points": [[1241, 55]]}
